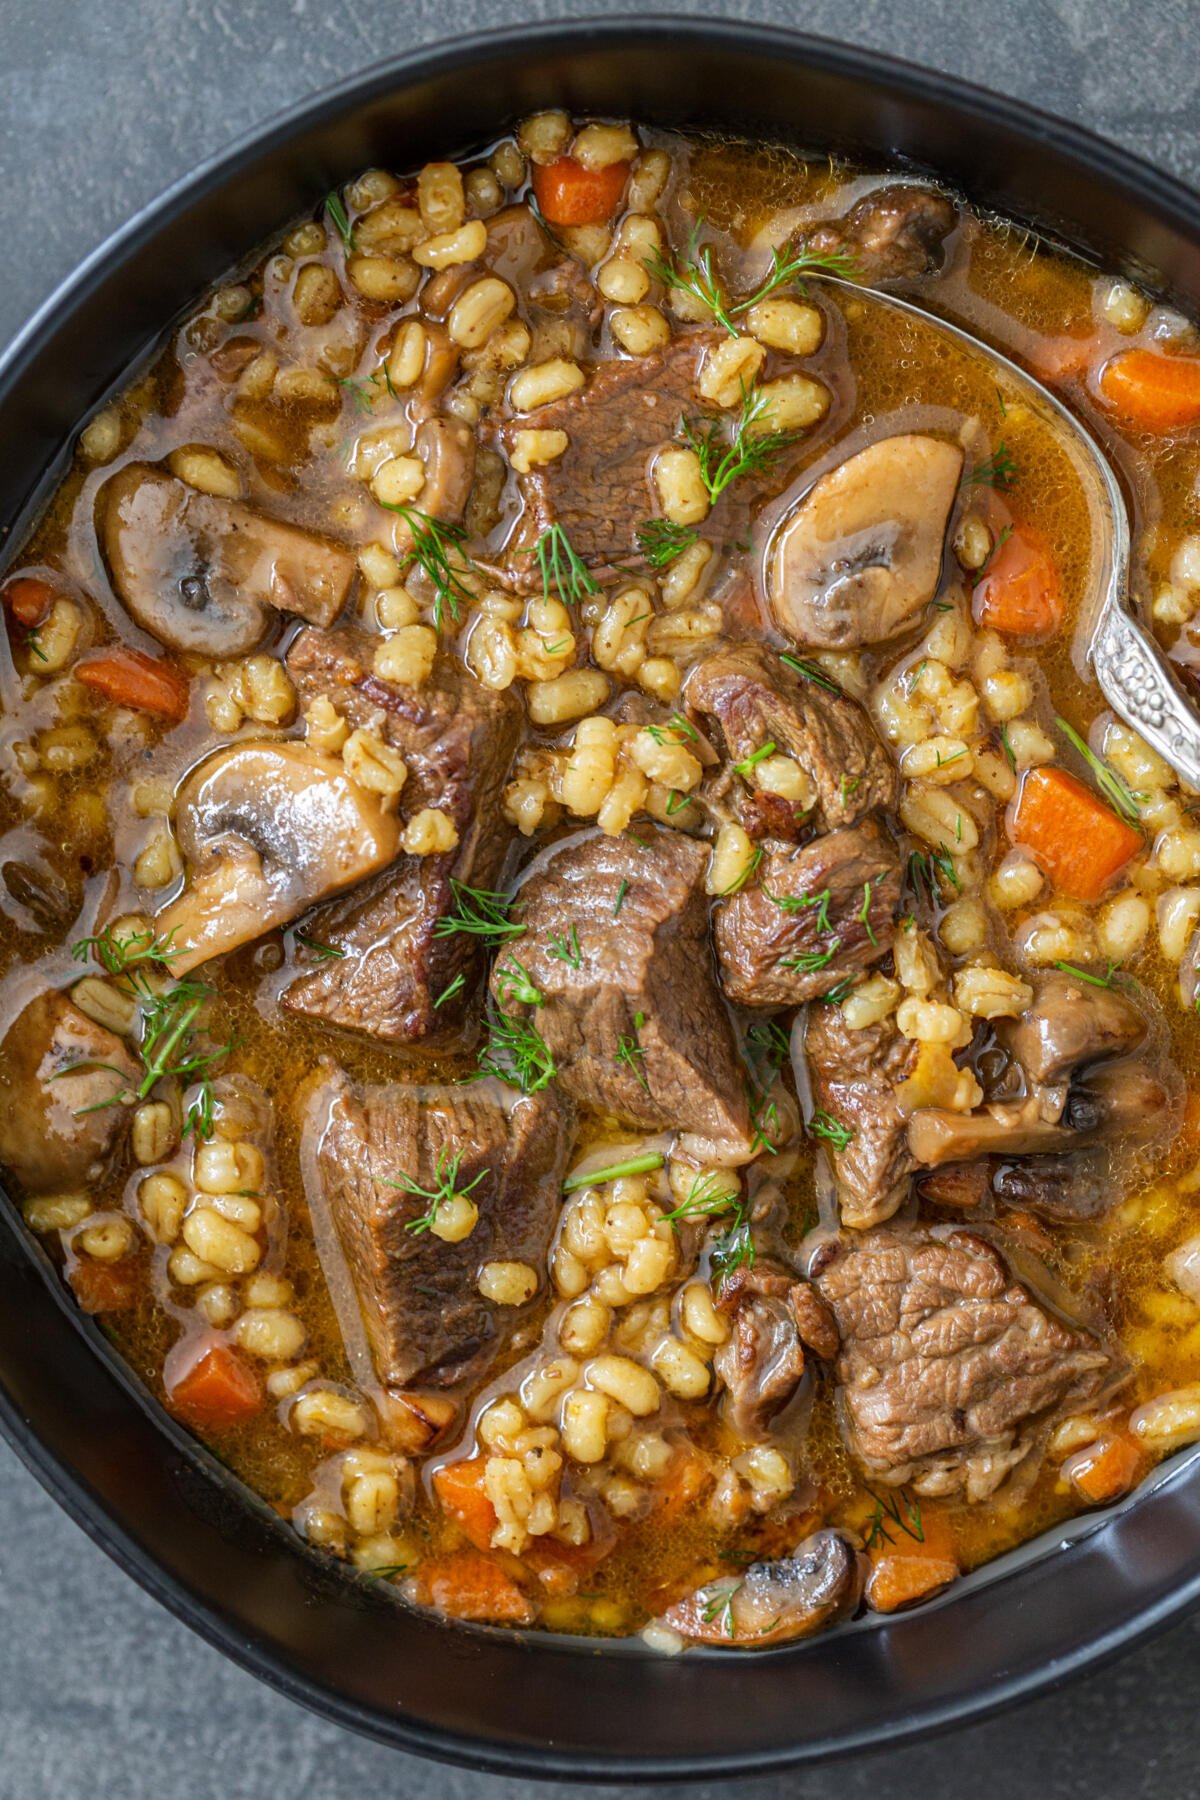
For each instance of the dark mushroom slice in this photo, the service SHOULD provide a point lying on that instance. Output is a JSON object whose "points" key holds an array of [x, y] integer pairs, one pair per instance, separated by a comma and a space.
{"points": [[268, 829], [772, 1602], [1122, 1101], [861, 555], [60, 1078], [203, 574], [447, 449], [893, 234], [1072, 1022]]}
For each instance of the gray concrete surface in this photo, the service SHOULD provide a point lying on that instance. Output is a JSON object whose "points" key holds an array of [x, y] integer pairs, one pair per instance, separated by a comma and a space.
{"points": [[102, 102]]}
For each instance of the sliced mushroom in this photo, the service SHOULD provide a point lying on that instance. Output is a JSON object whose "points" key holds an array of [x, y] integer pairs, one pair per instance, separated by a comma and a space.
{"points": [[1071, 1023], [772, 1601], [201, 573], [447, 449], [61, 1076], [1119, 1101], [862, 553], [268, 830]]}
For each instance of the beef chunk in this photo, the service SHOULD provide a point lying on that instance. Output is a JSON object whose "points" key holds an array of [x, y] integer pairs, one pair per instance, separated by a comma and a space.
{"points": [[599, 490], [855, 1075], [772, 1316], [457, 739], [757, 699], [811, 917], [416, 1297], [1070, 1024], [57, 1129], [947, 1363], [637, 1028], [770, 1602], [893, 234]]}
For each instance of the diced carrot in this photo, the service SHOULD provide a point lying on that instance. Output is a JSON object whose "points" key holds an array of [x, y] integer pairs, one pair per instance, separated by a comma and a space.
{"points": [[1153, 391], [1073, 837], [569, 194], [1019, 591], [908, 1568], [218, 1390], [28, 599], [470, 1586], [1105, 1470], [561, 1567], [131, 678], [459, 1487], [106, 1287], [686, 1479]]}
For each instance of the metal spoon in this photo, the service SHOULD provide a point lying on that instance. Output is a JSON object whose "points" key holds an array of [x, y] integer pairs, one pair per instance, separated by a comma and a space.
{"points": [[1135, 677]]}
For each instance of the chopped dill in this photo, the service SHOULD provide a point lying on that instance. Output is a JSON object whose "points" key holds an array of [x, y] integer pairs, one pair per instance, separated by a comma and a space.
{"points": [[824, 1125], [335, 207], [999, 471], [1114, 787], [438, 549], [452, 987], [662, 541], [564, 947], [322, 952], [444, 1190], [561, 569], [479, 913], [631, 1053], [811, 671], [748, 449]]}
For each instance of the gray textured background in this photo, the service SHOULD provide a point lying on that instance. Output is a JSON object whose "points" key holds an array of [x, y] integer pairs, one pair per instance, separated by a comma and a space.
{"points": [[102, 103]]}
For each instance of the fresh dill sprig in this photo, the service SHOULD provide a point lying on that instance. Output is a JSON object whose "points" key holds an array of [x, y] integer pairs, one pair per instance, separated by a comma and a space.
{"points": [[739, 881], [564, 948], [771, 1043], [696, 276], [120, 955], [863, 914], [33, 644], [620, 900], [479, 913], [900, 1509], [682, 730], [1114, 787], [517, 1053], [438, 549], [824, 1125], [810, 962], [749, 763], [794, 903], [733, 1250], [999, 471], [561, 569], [335, 207], [718, 1604], [633, 1165], [322, 952], [708, 1197], [444, 1190], [1110, 977], [361, 394], [811, 671], [451, 988], [932, 871], [513, 983], [991, 556], [661, 541], [725, 454], [631, 1053]]}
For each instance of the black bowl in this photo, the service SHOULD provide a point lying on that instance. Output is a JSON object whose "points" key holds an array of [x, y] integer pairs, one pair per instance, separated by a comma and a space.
{"points": [[164, 1509]]}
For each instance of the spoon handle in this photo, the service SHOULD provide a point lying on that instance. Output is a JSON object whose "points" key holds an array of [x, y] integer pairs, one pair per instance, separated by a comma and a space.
{"points": [[1138, 683]]}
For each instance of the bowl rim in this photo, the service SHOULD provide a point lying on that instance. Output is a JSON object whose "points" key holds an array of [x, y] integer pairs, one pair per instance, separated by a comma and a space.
{"points": [[1094, 157]]}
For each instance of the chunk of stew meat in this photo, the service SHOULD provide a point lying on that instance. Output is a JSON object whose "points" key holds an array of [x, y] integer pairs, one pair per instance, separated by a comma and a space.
{"points": [[634, 1022], [367, 1154], [948, 1364], [60, 1078]]}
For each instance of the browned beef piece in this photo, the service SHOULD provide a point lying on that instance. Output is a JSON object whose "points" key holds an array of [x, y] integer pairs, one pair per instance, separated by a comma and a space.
{"points": [[855, 1075], [418, 1298], [599, 490], [633, 1017], [893, 234], [810, 918], [57, 1129], [772, 1316], [770, 1602], [947, 1363], [457, 739], [757, 699]]}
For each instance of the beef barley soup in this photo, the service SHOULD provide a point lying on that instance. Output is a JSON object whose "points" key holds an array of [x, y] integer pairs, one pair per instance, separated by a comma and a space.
{"points": [[590, 994]]}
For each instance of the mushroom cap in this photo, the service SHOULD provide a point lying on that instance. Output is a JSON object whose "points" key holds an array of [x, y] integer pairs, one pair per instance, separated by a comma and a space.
{"points": [[269, 828], [862, 552], [202, 574]]}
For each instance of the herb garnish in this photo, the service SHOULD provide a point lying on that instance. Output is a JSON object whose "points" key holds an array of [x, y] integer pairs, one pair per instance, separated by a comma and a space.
{"points": [[739, 881], [364, 400], [336, 209], [899, 1509], [453, 987], [631, 1053], [988, 560], [517, 1053], [32, 644], [808, 962], [748, 450], [438, 549], [633, 1165], [824, 1125], [480, 913], [445, 1190], [932, 870], [322, 952], [1115, 788], [811, 671], [661, 541], [684, 730], [751, 762], [718, 1604], [772, 1049], [1008, 749], [513, 983], [564, 947], [697, 276], [620, 900], [733, 1250], [999, 471], [794, 903], [864, 913], [561, 569], [677, 802], [708, 1196], [1107, 980]]}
